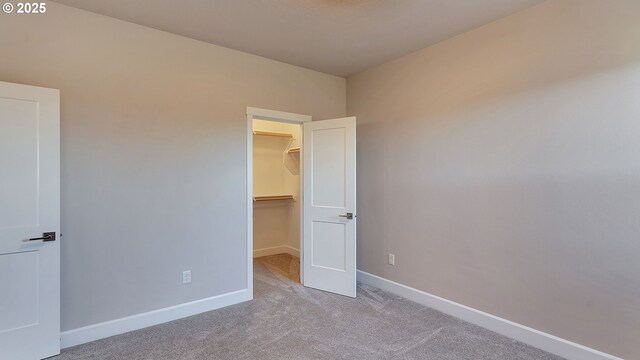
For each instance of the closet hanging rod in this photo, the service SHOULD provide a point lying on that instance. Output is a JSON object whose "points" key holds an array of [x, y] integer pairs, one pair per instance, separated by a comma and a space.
{"points": [[273, 198], [272, 134]]}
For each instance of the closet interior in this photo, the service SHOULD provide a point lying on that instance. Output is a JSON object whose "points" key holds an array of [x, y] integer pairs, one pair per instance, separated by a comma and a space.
{"points": [[276, 194]]}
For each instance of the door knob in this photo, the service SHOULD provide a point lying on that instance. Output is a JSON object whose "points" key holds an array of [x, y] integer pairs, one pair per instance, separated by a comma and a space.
{"points": [[48, 236], [349, 216]]}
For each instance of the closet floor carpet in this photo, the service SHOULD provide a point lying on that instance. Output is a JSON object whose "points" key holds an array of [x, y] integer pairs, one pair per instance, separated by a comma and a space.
{"points": [[283, 264], [289, 321]]}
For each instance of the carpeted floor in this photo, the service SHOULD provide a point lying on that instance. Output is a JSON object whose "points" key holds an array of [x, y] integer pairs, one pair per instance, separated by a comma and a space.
{"points": [[283, 264], [289, 321]]}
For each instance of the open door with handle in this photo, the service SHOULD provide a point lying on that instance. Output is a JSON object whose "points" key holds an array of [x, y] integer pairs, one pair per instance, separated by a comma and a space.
{"points": [[329, 235], [29, 222]]}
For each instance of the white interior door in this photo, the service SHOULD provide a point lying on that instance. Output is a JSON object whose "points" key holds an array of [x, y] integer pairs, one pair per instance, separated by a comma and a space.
{"points": [[29, 207], [329, 245]]}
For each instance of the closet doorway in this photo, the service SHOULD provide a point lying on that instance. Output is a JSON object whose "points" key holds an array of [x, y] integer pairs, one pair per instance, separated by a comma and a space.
{"points": [[301, 198], [276, 197]]}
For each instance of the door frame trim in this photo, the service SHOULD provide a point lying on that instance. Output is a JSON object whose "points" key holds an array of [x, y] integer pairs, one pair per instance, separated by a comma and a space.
{"points": [[277, 116]]}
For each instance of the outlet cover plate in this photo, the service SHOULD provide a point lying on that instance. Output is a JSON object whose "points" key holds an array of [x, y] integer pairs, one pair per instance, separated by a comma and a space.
{"points": [[186, 277]]}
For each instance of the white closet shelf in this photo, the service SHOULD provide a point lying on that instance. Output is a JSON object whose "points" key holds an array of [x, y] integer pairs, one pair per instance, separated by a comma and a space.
{"points": [[273, 198], [272, 134], [294, 151]]}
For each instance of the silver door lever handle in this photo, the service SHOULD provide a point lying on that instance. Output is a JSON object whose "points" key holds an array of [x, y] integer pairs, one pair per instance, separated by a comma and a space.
{"points": [[48, 236], [349, 216]]}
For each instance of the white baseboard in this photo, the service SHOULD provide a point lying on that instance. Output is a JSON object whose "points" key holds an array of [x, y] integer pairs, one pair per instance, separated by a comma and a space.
{"points": [[527, 335], [283, 249], [119, 326]]}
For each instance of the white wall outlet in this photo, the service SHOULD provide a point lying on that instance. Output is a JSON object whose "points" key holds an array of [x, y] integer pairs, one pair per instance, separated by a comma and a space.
{"points": [[392, 259], [186, 277]]}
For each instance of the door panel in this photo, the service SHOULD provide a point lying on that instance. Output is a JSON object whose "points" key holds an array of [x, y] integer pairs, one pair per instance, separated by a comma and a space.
{"points": [[29, 206], [19, 300], [19, 152], [329, 245], [329, 240], [329, 154]]}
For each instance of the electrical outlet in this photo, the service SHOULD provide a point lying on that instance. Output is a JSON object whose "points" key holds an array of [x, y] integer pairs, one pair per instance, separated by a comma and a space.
{"points": [[392, 259], [186, 277]]}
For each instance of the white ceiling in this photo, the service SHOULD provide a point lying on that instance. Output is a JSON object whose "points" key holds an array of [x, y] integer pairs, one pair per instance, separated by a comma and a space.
{"points": [[339, 37]]}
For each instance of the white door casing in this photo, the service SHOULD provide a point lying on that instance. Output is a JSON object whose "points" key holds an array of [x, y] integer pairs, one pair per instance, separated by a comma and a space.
{"points": [[329, 236], [29, 207]]}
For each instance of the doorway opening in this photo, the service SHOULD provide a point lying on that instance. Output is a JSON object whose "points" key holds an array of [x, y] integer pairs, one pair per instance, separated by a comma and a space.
{"points": [[274, 166], [276, 197]]}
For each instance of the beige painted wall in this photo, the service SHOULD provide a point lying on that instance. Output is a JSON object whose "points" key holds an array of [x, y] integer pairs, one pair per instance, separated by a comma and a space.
{"points": [[276, 223], [502, 167], [153, 154]]}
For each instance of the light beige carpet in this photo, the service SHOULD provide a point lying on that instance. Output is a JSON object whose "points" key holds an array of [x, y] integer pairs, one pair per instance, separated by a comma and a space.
{"points": [[282, 264], [289, 321]]}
